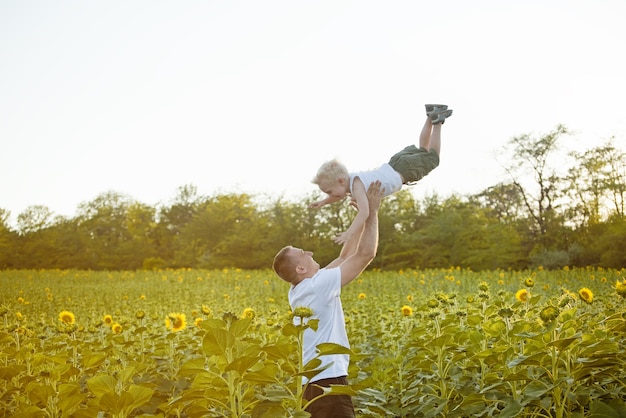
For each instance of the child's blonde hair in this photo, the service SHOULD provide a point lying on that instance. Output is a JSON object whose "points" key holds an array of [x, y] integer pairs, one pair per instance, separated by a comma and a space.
{"points": [[330, 172]]}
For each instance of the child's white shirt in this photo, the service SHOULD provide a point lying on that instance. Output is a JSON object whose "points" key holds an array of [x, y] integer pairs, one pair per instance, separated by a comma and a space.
{"points": [[389, 178]]}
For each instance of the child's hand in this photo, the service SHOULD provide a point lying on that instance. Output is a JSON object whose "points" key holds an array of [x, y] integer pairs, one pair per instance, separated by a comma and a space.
{"points": [[342, 238], [317, 205]]}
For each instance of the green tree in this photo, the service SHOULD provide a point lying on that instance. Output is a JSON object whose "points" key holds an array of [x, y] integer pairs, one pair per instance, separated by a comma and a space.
{"points": [[539, 183], [246, 246], [503, 201], [615, 178], [459, 233], [141, 225], [8, 240], [596, 185], [399, 217], [35, 243], [172, 220], [215, 220], [108, 241], [293, 223], [603, 244], [68, 245], [34, 218]]}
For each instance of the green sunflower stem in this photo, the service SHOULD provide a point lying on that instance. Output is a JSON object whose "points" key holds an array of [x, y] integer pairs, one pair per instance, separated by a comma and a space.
{"points": [[232, 396], [299, 386], [17, 342], [232, 386], [74, 351], [437, 328], [142, 341], [557, 393], [143, 347], [172, 362], [441, 366]]}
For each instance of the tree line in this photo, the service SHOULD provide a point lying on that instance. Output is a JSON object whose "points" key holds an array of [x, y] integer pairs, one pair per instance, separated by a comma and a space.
{"points": [[551, 211]]}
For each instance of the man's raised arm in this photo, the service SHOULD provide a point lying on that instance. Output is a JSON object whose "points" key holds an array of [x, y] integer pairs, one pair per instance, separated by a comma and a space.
{"points": [[366, 242]]}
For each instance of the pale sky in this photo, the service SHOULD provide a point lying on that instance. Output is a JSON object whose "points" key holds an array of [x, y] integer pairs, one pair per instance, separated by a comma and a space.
{"points": [[143, 97]]}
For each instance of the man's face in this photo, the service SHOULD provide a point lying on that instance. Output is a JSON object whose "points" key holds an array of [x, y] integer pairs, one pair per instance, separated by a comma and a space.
{"points": [[304, 260]]}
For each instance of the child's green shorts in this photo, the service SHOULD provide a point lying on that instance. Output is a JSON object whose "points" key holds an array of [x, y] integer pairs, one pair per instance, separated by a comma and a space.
{"points": [[414, 163]]}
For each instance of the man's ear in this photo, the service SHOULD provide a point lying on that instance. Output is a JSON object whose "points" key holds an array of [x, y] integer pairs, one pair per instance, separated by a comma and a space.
{"points": [[300, 270]]}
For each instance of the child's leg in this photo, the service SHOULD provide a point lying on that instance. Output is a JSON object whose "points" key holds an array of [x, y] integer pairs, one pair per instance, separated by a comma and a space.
{"points": [[430, 137], [426, 133], [435, 139]]}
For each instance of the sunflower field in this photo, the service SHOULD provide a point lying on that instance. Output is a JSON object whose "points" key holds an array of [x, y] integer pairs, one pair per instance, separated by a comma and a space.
{"points": [[223, 343]]}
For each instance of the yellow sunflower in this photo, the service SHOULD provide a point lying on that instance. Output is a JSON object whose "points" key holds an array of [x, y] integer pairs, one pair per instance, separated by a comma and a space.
{"points": [[362, 296], [198, 322], [522, 295], [549, 313], [620, 288], [116, 328], [586, 295], [108, 320], [176, 321], [67, 317], [303, 312], [248, 313], [407, 310]]}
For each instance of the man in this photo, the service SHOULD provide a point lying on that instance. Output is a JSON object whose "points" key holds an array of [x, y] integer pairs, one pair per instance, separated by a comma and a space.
{"points": [[319, 289]]}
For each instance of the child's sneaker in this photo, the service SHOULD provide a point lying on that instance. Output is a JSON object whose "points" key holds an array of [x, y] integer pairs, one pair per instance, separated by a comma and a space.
{"points": [[439, 116], [430, 108]]}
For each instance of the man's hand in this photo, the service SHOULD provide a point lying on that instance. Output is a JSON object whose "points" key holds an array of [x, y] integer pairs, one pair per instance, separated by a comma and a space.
{"points": [[359, 253], [374, 196]]}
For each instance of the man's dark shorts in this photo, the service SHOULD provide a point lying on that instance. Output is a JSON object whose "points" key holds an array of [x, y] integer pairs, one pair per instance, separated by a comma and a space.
{"points": [[335, 406], [414, 163]]}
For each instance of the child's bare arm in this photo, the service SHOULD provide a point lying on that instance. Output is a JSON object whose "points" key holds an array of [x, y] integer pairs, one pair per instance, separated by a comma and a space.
{"points": [[326, 201], [359, 196], [374, 193]]}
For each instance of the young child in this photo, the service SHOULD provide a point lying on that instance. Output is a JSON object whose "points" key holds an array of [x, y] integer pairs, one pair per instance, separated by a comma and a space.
{"points": [[405, 167]]}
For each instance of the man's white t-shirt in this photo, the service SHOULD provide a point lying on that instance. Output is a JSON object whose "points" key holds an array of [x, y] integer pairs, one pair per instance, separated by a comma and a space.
{"points": [[321, 294]]}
